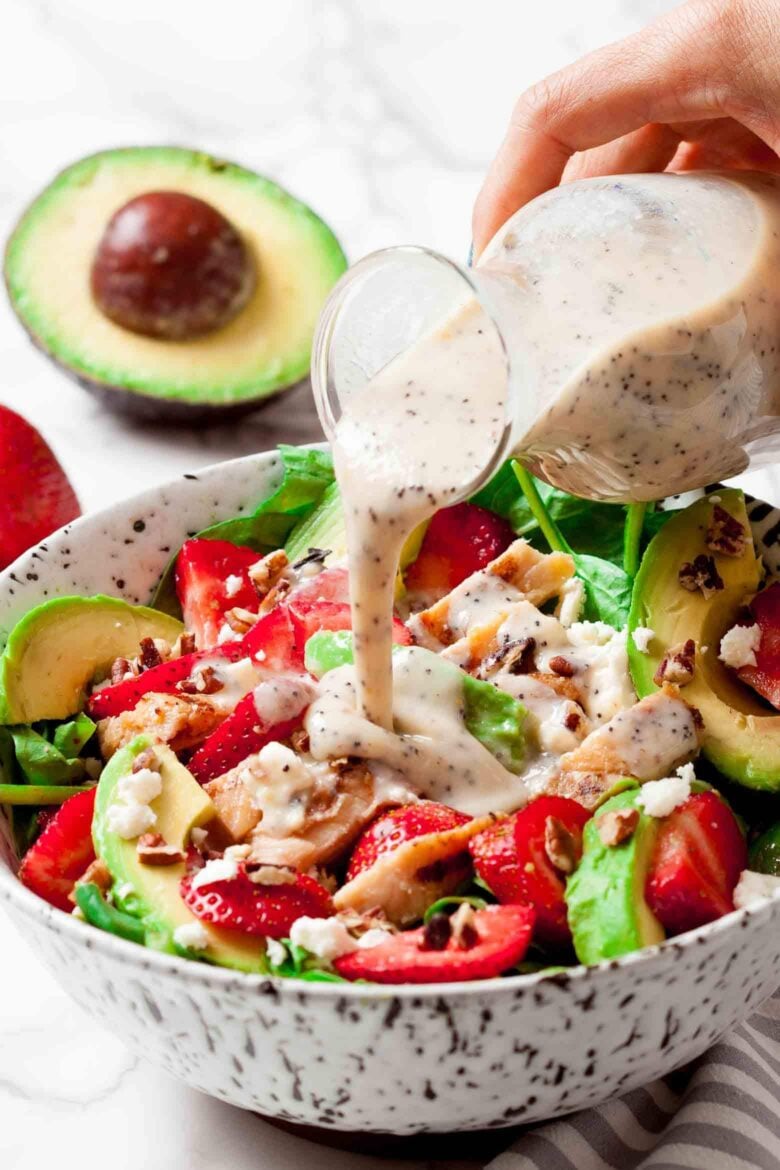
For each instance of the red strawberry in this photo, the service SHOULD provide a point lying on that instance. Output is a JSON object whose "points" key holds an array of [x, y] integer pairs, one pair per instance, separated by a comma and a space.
{"points": [[159, 680], [37, 495], [274, 641], [458, 542], [243, 733], [63, 851], [514, 863], [240, 904], [391, 829], [764, 677], [698, 857], [504, 933], [203, 569]]}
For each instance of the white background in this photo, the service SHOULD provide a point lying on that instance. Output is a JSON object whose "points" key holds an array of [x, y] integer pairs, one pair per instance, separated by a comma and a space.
{"points": [[381, 114]]}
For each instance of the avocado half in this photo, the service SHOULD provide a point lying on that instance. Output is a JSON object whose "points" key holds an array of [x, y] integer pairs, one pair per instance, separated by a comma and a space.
{"points": [[265, 349], [741, 734]]}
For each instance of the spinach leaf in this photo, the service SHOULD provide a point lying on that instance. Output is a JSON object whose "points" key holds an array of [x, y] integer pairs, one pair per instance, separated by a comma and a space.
{"points": [[307, 474], [40, 761], [301, 964], [70, 738]]}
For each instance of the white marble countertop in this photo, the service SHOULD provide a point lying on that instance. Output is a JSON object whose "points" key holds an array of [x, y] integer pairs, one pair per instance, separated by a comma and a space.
{"points": [[383, 116]]}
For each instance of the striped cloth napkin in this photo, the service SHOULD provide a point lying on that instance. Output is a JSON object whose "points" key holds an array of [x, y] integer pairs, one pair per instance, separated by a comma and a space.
{"points": [[720, 1113]]}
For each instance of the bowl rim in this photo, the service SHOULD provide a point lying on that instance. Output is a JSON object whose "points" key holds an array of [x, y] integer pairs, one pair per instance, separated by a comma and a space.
{"points": [[210, 975]]}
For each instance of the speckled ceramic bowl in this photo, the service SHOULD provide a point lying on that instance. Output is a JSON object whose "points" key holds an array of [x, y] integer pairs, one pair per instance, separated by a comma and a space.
{"points": [[373, 1059]]}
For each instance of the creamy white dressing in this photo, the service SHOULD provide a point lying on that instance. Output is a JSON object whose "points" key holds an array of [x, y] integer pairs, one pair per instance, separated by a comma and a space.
{"points": [[281, 697], [430, 746]]}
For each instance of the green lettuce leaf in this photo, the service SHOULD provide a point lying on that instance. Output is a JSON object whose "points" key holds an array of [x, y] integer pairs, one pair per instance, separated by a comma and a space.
{"points": [[40, 761]]}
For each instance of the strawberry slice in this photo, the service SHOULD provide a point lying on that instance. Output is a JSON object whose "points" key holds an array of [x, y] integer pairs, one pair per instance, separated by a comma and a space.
{"points": [[458, 542], [391, 829], [242, 905], [323, 604], [37, 494], [212, 576], [64, 850], [503, 935], [698, 857], [512, 858], [159, 680], [764, 677]]}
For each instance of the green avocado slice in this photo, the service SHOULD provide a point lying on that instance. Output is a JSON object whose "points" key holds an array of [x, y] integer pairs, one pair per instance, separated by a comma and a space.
{"points": [[605, 896], [151, 893], [60, 646], [494, 718], [741, 738], [265, 348]]}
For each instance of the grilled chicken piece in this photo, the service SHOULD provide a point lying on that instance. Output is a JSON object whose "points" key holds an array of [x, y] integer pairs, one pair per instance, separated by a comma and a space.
{"points": [[520, 573], [646, 741], [181, 721], [405, 882], [326, 816]]}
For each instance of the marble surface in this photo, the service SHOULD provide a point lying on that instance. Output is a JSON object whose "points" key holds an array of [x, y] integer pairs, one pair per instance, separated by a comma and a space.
{"points": [[383, 116]]}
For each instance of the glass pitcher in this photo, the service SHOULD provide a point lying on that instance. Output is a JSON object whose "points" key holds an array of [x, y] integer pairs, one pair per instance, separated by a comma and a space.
{"points": [[639, 321]]}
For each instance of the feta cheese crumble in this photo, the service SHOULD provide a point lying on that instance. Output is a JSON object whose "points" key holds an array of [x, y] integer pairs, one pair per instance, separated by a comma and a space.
{"points": [[192, 936], [325, 938], [220, 869], [642, 637], [130, 820], [233, 585], [754, 887], [139, 787], [659, 798], [738, 646], [276, 952], [373, 938], [571, 602]]}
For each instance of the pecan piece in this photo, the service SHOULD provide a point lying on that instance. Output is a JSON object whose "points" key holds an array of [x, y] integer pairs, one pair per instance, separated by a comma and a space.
{"points": [[153, 849], [700, 573], [725, 534], [240, 620], [96, 873], [561, 666], [150, 655], [516, 656], [202, 681], [617, 826], [184, 644], [677, 665], [146, 759], [120, 669], [270, 875], [572, 721], [562, 847], [299, 741], [463, 925], [264, 574]]}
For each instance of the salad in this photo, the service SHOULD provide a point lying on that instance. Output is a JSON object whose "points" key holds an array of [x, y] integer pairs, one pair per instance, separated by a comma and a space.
{"points": [[584, 759]]}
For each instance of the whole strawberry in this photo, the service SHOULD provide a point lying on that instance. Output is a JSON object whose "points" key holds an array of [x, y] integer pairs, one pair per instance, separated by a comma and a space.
{"points": [[37, 495]]}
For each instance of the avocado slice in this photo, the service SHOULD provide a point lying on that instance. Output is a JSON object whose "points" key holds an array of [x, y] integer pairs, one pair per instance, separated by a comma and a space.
{"points": [[262, 350], [493, 717], [765, 851], [60, 646], [741, 737], [605, 896], [151, 893]]}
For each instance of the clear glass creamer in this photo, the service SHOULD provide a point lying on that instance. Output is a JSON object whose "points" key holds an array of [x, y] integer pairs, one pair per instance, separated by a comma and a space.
{"points": [[637, 319]]}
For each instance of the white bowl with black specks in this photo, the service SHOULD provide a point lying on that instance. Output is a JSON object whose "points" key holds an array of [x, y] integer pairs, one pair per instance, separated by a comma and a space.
{"points": [[364, 1058]]}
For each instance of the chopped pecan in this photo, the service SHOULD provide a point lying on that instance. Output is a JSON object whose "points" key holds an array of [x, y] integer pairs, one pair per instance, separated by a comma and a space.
{"points": [[561, 846], [275, 595], [572, 720], [560, 665], [725, 534], [240, 620], [299, 740], [270, 875], [617, 826], [202, 681], [700, 573], [265, 574], [146, 759], [97, 873], [153, 849], [463, 925], [150, 655], [677, 665], [184, 644], [437, 933], [120, 669], [516, 656]]}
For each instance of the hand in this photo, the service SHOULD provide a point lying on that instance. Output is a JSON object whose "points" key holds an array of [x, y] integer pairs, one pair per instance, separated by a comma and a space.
{"points": [[699, 88]]}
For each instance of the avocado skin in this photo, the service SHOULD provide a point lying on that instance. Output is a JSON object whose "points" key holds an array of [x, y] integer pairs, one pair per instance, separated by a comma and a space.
{"points": [[764, 854], [152, 404], [741, 738], [605, 899]]}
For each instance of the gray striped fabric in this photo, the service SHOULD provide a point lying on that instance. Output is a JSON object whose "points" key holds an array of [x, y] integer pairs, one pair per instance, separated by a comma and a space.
{"points": [[720, 1113]]}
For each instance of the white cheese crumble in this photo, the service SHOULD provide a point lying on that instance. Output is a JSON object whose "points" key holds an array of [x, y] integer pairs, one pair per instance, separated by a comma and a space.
{"points": [[139, 787], [233, 585], [642, 636], [373, 938], [279, 785], [325, 938], [226, 634], [220, 869], [192, 936], [130, 820], [754, 887], [738, 646], [275, 951], [659, 798], [571, 602]]}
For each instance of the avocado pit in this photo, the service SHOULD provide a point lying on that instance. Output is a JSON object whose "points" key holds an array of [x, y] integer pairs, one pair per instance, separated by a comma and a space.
{"points": [[170, 266]]}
